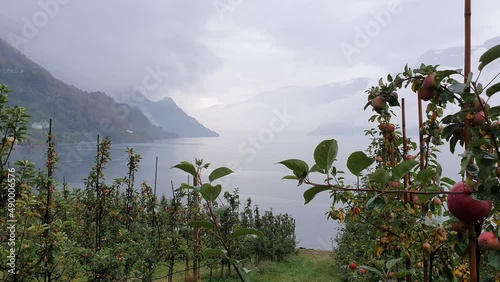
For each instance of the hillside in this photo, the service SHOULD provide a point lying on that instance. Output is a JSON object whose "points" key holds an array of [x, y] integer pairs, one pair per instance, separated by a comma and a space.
{"points": [[77, 115], [169, 116]]}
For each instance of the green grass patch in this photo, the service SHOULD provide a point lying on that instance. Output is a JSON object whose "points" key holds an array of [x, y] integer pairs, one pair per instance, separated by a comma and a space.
{"points": [[306, 265]]}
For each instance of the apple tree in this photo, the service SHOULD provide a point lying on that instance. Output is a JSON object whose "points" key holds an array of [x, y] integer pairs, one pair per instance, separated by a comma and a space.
{"points": [[400, 188]]}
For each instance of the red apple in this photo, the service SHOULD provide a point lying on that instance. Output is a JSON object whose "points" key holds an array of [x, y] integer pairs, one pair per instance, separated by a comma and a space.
{"points": [[488, 241], [394, 94], [464, 207], [428, 88], [479, 106], [379, 159], [362, 271], [478, 118], [390, 128], [426, 246], [394, 184], [410, 157], [382, 126], [378, 103], [353, 265]]}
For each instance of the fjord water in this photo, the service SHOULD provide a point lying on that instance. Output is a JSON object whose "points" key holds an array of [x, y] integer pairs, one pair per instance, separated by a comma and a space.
{"points": [[257, 174]]}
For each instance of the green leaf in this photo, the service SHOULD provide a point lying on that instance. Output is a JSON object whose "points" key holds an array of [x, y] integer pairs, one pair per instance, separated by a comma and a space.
{"points": [[201, 223], [457, 87], [244, 273], [473, 170], [422, 198], [403, 168], [299, 167], [209, 192], [425, 175], [291, 177], [380, 176], [375, 202], [221, 210], [358, 161], [218, 173], [186, 186], [390, 263], [493, 89], [494, 111], [494, 259], [186, 167], [210, 253], [477, 143], [449, 130], [448, 180], [325, 154], [316, 168], [440, 75], [372, 269], [489, 56], [240, 231], [403, 273], [310, 193]]}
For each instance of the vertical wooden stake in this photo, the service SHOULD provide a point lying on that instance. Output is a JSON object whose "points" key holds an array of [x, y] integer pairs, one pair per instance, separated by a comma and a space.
{"points": [[473, 261], [156, 175], [406, 177], [422, 154]]}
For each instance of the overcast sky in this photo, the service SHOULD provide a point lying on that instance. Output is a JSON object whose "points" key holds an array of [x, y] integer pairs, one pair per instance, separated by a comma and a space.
{"points": [[202, 53]]}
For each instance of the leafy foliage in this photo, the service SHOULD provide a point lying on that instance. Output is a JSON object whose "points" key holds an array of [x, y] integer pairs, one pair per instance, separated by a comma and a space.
{"points": [[115, 231], [395, 222]]}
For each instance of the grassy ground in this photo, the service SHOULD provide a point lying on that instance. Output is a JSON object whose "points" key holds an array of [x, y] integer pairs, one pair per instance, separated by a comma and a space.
{"points": [[307, 265]]}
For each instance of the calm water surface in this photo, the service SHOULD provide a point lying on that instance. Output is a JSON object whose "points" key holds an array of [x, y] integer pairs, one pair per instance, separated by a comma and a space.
{"points": [[256, 173]]}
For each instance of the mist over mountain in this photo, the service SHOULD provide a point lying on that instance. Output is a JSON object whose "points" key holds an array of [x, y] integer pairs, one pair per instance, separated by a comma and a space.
{"points": [[167, 114], [315, 110], [76, 115], [337, 108]]}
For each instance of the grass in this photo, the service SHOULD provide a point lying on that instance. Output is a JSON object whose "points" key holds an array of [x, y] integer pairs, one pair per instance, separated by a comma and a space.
{"points": [[306, 265]]}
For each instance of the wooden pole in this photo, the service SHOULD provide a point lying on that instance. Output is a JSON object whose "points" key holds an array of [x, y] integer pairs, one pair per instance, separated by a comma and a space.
{"points": [[156, 175], [406, 177], [422, 154], [473, 259]]}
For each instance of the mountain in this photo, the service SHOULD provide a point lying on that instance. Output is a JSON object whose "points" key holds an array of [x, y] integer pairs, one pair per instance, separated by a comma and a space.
{"points": [[454, 56], [76, 115], [297, 109], [171, 117], [451, 57]]}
